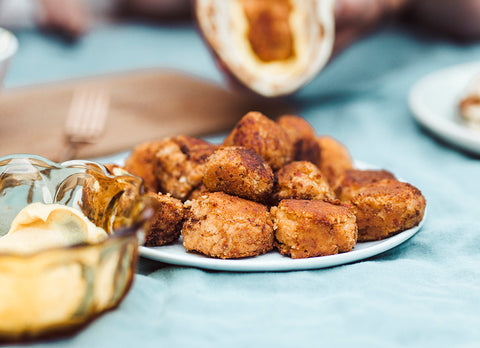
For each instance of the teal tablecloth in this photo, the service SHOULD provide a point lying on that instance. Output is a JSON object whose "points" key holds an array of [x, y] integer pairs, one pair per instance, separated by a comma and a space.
{"points": [[424, 293]]}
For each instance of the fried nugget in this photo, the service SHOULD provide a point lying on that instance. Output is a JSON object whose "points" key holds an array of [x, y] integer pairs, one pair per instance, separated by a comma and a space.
{"points": [[302, 137], [238, 171], [180, 164], [166, 223], [197, 192], [142, 162], [353, 179], [302, 180], [334, 159], [386, 207], [313, 228], [224, 226], [257, 132]]}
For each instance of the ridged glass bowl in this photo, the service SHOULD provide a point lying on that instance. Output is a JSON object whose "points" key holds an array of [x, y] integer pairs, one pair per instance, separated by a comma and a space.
{"points": [[58, 290]]}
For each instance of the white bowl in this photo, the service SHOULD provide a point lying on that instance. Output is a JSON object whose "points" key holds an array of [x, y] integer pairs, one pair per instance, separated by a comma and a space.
{"points": [[8, 47]]}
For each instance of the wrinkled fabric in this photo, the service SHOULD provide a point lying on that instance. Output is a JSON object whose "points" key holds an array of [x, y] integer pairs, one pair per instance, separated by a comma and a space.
{"points": [[424, 293]]}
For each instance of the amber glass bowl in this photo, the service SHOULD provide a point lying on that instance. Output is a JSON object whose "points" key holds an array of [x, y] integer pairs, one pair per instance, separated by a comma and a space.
{"points": [[56, 291]]}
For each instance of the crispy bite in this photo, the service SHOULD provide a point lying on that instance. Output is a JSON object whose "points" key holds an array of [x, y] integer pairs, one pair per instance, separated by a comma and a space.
{"points": [[142, 162], [224, 226], [166, 224], [238, 171], [302, 180], [257, 132], [302, 137], [353, 179], [313, 228], [180, 164], [334, 159], [385, 208], [197, 192]]}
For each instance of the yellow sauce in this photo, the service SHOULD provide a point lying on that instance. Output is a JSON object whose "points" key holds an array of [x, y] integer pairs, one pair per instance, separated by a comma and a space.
{"points": [[41, 226]]}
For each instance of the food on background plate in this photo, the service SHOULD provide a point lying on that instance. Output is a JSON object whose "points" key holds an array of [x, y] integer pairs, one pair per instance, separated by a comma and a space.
{"points": [[305, 199], [302, 180], [257, 132], [308, 228], [238, 171], [270, 47], [40, 226], [224, 226], [469, 106]]}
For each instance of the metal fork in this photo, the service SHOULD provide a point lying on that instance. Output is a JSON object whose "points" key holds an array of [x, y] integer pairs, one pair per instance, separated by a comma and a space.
{"points": [[85, 121]]}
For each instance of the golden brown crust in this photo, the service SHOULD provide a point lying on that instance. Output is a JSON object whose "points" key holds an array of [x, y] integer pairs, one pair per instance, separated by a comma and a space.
{"points": [[302, 180], [197, 192], [180, 164], [334, 159], [386, 207], [313, 228], [353, 179], [257, 132], [166, 224], [302, 137], [238, 171], [142, 162], [224, 226]]}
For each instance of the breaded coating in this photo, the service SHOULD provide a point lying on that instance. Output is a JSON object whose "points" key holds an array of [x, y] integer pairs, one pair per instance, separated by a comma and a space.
{"points": [[180, 164], [302, 180], [334, 159], [224, 226], [257, 132], [142, 162], [166, 223], [238, 171], [313, 228], [302, 136], [353, 179], [197, 192], [386, 207]]}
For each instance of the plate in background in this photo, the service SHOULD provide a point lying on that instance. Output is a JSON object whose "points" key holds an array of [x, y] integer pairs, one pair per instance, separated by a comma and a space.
{"points": [[434, 100]]}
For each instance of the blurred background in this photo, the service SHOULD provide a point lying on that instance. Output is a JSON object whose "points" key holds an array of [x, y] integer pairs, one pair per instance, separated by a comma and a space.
{"points": [[162, 78]]}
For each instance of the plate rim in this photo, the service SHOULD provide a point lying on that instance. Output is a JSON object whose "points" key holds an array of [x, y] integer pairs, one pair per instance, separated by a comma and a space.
{"points": [[249, 265], [453, 133]]}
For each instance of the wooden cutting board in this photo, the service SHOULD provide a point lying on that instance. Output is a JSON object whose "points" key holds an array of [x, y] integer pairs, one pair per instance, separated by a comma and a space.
{"points": [[144, 105]]}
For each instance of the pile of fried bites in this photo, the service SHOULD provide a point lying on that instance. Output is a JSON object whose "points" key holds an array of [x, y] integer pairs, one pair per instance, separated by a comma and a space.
{"points": [[269, 185]]}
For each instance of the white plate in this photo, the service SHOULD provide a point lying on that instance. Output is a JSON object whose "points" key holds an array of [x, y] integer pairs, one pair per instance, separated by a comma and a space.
{"points": [[434, 101], [272, 261]]}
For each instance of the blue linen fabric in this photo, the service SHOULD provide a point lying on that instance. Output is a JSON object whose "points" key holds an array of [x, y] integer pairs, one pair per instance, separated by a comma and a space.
{"points": [[423, 293]]}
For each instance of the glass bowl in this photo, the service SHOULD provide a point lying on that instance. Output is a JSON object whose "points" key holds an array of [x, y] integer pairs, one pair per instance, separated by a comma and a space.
{"points": [[56, 291]]}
